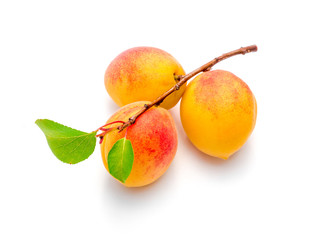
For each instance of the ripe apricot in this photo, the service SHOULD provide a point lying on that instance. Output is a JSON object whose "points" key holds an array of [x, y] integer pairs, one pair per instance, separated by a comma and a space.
{"points": [[143, 74], [218, 113], [154, 141]]}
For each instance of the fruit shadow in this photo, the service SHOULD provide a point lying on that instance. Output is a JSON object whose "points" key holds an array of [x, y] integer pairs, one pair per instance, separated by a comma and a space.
{"points": [[126, 199], [110, 107], [236, 160]]}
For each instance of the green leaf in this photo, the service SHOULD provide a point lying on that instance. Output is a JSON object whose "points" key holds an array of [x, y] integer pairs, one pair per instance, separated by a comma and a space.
{"points": [[120, 159], [67, 144]]}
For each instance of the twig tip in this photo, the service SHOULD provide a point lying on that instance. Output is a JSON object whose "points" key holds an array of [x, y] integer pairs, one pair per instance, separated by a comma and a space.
{"points": [[252, 48]]}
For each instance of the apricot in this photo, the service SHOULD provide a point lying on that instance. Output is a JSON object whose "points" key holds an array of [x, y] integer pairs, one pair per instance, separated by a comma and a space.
{"points": [[218, 113], [143, 74], [154, 141]]}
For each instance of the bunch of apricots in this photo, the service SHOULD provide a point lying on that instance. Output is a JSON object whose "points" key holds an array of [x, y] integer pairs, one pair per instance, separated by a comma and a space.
{"points": [[218, 111]]}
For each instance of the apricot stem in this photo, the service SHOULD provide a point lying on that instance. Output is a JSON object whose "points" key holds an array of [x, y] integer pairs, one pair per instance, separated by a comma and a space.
{"points": [[181, 80], [105, 130], [103, 127], [184, 79]]}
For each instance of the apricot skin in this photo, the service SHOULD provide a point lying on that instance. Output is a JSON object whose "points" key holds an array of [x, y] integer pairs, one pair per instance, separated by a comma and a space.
{"points": [[143, 74], [218, 113], [154, 141]]}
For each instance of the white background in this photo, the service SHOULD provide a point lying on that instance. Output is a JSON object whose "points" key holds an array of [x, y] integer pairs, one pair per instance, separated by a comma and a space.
{"points": [[53, 56]]}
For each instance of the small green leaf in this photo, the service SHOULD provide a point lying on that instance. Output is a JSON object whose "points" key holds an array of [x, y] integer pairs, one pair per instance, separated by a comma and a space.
{"points": [[67, 144], [120, 159]]}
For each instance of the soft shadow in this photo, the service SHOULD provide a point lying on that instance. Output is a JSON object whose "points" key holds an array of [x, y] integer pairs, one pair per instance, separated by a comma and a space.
{"points": [[110, 106], [242, 153], [121, 199], [236, 164]]}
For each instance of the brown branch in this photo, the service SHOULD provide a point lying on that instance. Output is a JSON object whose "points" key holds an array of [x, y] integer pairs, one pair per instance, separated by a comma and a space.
{"points": [[184, 79]]}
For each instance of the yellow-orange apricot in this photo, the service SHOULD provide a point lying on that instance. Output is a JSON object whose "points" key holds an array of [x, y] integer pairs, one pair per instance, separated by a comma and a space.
{"points": [[143, 74], [154, 141], [218, 113]]}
